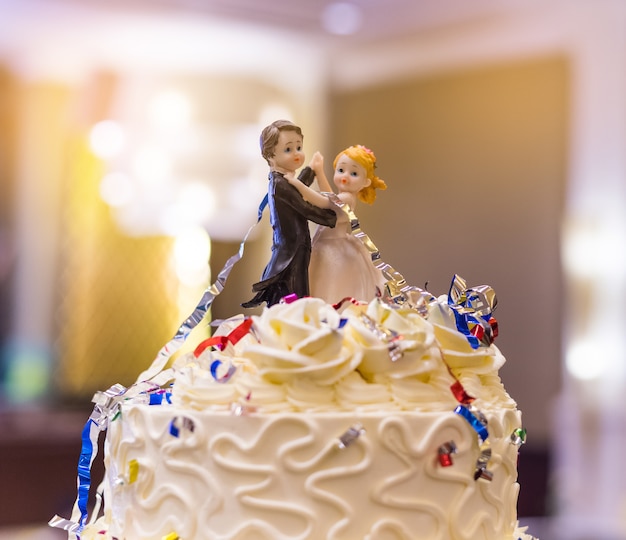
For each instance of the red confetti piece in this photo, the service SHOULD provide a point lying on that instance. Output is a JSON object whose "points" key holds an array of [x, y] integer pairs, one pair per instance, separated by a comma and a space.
{"points": [[460, 394], [220, 342], [445, 452], [478, 332], [494, 327], [347, 299]]}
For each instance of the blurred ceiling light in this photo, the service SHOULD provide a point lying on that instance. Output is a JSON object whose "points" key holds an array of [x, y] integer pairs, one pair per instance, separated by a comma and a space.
{"points": [[590, 249], [151, 165], [245, 194], [107, 139], [116, 189], [194, 205], [271, 112], [197, 202], [170, 109], [246, 141], [192, 250], [586, 360], [342, 18]]}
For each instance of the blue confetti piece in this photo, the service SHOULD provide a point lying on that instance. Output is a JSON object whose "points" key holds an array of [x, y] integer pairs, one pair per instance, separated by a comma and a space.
{"points": [[476, 424]]}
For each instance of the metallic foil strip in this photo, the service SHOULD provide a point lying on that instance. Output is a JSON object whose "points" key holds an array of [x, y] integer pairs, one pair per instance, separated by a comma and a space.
{"points": [[482, 462], [200, 310], [65, 524], [241, 409], [106, 403], [350, 435], [477, 421], [518, 437], [89, 449], [397, 290], [181, 422], [386, 335], [473, 308], [444, 453]]}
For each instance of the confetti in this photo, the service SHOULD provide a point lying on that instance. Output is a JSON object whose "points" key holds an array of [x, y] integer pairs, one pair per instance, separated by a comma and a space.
{"points": [[518, 437], [472, 310], [386, 335], [459, 392], [445, 452], [350, 435], [481, 464], [179, 423], [477, 421], [215, 365], [133, 470]]}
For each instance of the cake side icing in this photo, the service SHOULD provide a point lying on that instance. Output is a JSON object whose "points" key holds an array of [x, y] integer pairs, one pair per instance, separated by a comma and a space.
{"points": [[285, 476]]}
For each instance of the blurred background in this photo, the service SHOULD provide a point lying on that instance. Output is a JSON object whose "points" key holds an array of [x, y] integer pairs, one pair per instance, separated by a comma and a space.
{"points": [[130, 172]]}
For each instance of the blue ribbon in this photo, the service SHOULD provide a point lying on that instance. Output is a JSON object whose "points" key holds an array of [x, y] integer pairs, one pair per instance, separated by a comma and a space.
{"points": [[87, 455], [262, 207]]}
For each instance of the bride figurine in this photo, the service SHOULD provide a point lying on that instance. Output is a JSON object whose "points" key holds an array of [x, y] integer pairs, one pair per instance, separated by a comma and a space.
{"points": [[341, 266]]}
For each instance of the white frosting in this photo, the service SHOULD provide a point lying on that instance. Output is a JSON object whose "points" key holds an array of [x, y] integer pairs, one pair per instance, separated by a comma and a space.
{"points": [[307, 356], [257, 455], [284, 476]]}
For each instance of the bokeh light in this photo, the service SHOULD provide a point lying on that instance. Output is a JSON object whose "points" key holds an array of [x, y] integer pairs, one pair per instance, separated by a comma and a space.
{"points": [[192, 249], [151, 165], [342, 18], [585, 360], [107, 139], [117, 189], [170, 109]]}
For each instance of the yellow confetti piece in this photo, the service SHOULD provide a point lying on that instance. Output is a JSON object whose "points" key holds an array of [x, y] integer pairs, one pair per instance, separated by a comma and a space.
{"points": [[133, 471], [171, 536]]}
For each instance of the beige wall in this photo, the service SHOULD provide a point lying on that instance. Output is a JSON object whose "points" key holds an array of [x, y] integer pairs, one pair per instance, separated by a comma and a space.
{"points": [[475, 161]]}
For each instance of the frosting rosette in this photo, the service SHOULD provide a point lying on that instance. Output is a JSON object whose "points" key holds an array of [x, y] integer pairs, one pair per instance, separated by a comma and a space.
{"points": [[208, 381], [354, 392], [457, 351], [395, 341], [258, 393], [301, 339]]}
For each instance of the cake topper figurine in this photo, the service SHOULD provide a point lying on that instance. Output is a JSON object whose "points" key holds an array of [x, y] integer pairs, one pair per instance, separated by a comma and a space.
{"points": [[340, 263], [287, 271]]}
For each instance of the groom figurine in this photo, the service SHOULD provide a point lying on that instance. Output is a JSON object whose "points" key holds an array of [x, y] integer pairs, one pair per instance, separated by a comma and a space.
{"points": [[288, 269]]}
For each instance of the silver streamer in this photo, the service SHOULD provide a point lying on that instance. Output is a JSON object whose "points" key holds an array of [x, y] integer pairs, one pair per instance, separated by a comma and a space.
{"points": [[197, 315], [397, 291]]}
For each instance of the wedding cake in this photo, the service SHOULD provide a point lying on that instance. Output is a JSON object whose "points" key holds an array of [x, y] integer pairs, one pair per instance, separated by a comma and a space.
{"points": [[312, 421]]}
